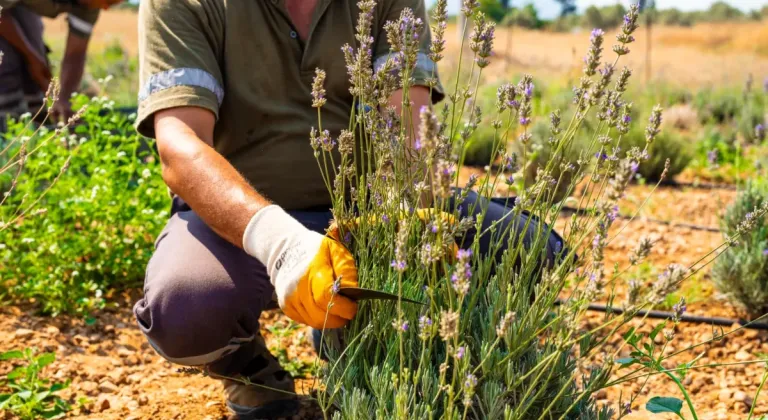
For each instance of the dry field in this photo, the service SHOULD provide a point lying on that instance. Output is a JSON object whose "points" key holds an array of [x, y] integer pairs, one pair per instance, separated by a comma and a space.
{"points": [[702, 55]]}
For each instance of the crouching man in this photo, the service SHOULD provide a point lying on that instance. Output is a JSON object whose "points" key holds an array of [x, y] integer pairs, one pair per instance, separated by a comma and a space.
{"points": [[226, 92]]}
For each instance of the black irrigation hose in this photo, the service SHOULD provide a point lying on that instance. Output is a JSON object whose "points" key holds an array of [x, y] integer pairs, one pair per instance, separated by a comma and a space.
{"points": [[698, 185], [584, 212], [727, 322]]}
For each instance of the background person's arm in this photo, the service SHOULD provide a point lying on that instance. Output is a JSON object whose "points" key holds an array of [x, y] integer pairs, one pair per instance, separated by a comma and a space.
{"points": [[72, 68], [198, 174], [36, 64]]}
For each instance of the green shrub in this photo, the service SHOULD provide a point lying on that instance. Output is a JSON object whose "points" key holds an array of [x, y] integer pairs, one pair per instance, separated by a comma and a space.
{"points": [[25, 393], [669, 144], [93, 230], [717, 106], [741, 271], [525, 17]]}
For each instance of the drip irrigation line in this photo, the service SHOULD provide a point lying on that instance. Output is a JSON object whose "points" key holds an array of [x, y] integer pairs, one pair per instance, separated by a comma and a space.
{"points": [[698, 185], [585, 212], [727, 322]]}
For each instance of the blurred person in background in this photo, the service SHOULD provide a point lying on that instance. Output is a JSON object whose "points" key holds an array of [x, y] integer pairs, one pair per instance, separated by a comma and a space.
{"points": [[25, 71]]}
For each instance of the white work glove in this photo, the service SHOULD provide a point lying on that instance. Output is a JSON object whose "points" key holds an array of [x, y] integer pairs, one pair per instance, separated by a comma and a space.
{"points": [[302, 266]]}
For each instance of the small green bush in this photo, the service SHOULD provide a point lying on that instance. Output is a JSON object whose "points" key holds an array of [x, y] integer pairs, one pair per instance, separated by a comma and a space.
{"points": [[93, 230], [25, 393], [741, 271], [717, 106]]}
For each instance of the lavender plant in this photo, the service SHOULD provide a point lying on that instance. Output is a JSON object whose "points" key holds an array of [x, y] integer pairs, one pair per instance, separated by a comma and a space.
{"points": [[741, 272], [490, 341]]}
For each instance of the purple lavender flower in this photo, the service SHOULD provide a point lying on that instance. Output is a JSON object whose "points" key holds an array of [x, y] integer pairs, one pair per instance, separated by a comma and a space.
{"points": [[613, 213], [463, 273], [385, 218], [398, 265], [634, 166], [627, 408], [336, 286], [525, 121], [760, 132], [510, 180], [460, 352], [712, 157], [529, 90], [765, 252], [679, 308]]}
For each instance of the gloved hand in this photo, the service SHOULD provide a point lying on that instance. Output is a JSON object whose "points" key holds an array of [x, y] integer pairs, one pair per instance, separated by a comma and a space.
{"points": [[302, 266]]}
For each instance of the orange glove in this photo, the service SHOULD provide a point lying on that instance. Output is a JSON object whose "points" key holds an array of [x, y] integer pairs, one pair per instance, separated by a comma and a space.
{"points": [[302, 266]]}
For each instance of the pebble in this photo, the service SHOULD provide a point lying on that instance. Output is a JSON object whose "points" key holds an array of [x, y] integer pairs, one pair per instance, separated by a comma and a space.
{"points": [[52, 330], [108, 387], [23, 333], [211, 404], [742, 356], [742, 396], [131, 360], [134, 378], [117, 376], [124, 352], [143, 400], [89, 387], [102, 403], [724, 395]]}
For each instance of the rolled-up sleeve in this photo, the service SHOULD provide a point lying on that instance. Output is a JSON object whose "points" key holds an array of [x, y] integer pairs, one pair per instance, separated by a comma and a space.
{"points": [[424, 68], [180, 45], [82, 20]]}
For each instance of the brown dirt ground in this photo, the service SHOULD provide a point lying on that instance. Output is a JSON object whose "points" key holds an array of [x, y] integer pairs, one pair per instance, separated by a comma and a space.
{"points": [[113, 352]]}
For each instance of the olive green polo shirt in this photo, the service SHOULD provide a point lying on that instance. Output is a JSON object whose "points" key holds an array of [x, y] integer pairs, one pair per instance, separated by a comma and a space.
{"points": [[244, 61], [80, 19]]}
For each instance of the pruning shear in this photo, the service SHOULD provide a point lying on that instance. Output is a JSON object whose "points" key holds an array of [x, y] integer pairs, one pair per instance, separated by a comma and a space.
{"points": [[359, 293]]}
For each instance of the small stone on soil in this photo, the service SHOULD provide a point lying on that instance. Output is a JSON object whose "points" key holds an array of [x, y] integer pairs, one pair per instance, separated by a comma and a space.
{"points": [[23, 333], [108, 387]]}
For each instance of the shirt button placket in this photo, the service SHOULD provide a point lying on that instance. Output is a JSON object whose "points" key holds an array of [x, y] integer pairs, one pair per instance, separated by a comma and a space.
{"points": [[293, 34]]}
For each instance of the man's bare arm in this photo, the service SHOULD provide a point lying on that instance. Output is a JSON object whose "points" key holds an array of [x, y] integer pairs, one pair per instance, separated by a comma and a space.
{"points": [[37, 65], [203, 178], [72, 66], [419, 97]]}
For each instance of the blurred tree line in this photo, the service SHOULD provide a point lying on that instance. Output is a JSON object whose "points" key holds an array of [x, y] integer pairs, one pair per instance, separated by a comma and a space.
{"points": [[525, 15]]}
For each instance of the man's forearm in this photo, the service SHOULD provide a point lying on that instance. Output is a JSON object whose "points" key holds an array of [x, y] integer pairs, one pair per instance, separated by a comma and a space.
{"points": [[419, 97], [73, 65], [203, 178], [11, 32]]}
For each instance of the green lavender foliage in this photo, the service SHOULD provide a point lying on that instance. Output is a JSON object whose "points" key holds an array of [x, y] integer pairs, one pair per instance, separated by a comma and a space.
{"points": [[92, 230], [741, 271], [489, 341]]}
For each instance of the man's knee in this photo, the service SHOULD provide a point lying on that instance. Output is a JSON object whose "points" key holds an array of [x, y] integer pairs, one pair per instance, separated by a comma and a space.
{"points": [[191, 319]]}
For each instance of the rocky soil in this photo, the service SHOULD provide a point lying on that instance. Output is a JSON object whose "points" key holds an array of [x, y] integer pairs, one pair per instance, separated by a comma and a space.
{"points": [[117, 375]]}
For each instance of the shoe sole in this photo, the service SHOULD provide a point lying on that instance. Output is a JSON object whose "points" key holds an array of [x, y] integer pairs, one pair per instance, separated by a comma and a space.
{"points": [[269, 411]]}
